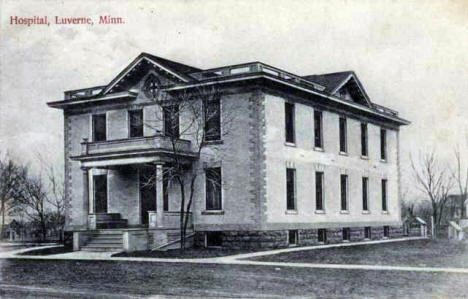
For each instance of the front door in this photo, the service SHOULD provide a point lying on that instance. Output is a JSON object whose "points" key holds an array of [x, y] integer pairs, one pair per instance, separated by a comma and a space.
{"points": [[147, 192], [100, 193]]}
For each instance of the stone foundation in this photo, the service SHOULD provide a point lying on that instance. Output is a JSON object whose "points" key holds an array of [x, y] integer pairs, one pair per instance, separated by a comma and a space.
{"points": [[280, 239]]}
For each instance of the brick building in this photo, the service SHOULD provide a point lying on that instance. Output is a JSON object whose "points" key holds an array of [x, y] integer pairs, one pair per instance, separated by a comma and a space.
{"points": [[308, 159]]}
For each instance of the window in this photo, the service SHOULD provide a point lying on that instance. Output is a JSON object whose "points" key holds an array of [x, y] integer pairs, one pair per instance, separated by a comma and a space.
{"points": [[344, 192], [290, 189], [213, 188], [319, 191], [292, 237], [135, 118], [99, 127], [386, 231], [214, 239], [364, 140], [384, 195], [165, 182], [383, 144], [212, 112], [289, 122], [318, 142], [365, 193], [367, 232], [100, 193], [171, 121], [346, 234], [322, 235], [343, 135]]}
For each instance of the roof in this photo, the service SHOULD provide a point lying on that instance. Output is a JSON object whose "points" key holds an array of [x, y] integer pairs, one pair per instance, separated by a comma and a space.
{"points": [[176, 66], [331, 81]]}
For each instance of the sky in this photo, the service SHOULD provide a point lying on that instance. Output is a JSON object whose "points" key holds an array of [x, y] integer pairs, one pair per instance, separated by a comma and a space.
{"points": [[411, 56]]}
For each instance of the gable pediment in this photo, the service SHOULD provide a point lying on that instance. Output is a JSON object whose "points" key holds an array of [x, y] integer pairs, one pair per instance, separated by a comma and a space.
{"points": [[139, 68], [352, 90]]}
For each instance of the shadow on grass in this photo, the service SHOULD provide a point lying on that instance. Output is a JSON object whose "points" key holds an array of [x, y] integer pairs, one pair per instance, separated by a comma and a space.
{"points": [[187, 253], [48, 251]]}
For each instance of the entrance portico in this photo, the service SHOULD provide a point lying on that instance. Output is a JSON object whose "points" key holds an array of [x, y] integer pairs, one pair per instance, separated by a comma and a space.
{"points": [[123, 184]]}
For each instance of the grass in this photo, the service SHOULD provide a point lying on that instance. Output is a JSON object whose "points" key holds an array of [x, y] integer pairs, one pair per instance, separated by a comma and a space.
{"points": [[428, 253], [209, 280], [48, 251], [187, 253]]}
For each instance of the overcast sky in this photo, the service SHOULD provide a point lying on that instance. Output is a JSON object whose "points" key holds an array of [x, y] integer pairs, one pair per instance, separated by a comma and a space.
{"points": [[411, 56]]}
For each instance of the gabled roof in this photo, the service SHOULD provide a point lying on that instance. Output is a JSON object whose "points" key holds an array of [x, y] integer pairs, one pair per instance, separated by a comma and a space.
{"points": [[333, 82], [177, 66], [174, 69]]}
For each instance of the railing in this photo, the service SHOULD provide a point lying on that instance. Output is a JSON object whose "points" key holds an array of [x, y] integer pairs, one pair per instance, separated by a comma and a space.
{"points": [[255, 67], [83, 93], [168, 220], [133, 144], [385, 110]]}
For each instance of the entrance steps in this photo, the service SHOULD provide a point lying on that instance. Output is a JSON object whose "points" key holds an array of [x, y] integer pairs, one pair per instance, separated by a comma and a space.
{"points": [[104, 240]]}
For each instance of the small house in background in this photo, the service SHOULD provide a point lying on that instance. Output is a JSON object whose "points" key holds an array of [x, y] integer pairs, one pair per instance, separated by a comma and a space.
{"points": [[414, 227]]}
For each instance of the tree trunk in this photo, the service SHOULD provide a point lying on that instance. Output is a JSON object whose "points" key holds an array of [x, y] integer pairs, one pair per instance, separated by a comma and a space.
{"points": [[3, 219], [182, 209]]}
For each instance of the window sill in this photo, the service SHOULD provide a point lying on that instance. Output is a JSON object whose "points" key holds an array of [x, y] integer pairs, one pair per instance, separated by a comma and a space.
{"points": [[212, 212], [344, 212], [366, 212], [364, 157], [384, 212], [383, 160], [291, 144], [291, 212], [214, 142], [343, 153], [345, 241], [319, 212], [319, 149]]}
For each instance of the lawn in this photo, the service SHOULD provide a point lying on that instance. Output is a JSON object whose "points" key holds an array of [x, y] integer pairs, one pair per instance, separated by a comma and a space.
{"points": [[132, 279], [424, 253]]}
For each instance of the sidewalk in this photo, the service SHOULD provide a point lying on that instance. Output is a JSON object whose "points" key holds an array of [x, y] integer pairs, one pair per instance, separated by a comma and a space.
{"points": [[239, 258]]}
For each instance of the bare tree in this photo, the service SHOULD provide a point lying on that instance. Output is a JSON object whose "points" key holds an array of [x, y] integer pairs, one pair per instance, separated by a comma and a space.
{"points": [[460, 176], [54, 196], [195, 115], [434, 181], [33, 202], [10, 185]]}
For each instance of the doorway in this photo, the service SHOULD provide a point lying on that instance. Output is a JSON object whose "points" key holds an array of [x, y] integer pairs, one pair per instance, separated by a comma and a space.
{"points": [[100, 194], [147, 183]]}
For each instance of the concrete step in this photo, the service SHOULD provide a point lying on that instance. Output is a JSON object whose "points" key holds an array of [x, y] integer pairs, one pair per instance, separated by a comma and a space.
{"points": [[101, 249], [105, 242]]}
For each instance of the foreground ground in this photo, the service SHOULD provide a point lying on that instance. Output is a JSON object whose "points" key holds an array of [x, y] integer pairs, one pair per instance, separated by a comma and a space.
{"points": [[422, 253], [84, 279], [109, 279]]}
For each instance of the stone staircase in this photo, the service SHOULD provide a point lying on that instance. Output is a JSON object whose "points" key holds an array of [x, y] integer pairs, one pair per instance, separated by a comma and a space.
{"points": [[104, 240]]}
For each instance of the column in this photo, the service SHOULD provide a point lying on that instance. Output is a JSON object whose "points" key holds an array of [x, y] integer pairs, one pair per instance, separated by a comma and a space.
{"points": [[85, 195], [159, 196]]}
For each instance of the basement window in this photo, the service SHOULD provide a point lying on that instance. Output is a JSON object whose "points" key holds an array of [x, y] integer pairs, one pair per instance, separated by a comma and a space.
{"points": [[322, 235], [214, 239], [346, 234], [292, 237], [386, 231], [367, 232]]}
